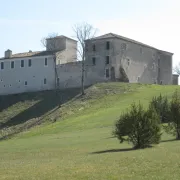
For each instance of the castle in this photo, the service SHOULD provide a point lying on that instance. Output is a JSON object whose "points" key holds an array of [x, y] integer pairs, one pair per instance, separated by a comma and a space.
{"points": [[109, 57]]}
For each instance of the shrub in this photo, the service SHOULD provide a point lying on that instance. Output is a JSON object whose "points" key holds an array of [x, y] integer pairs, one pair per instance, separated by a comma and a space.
{"points": [[174, 124], [138, 126], [161, 105]]}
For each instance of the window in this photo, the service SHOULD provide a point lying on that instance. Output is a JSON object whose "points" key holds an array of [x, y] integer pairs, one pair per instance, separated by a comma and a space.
{"points": [[12, 64], [2, 65], [94, 47], [22, 63], [94, 61], [107, 73], [123, 46], [10, 85], [154, 66], [107, 45], [19, 81], [58, 82], [29, 63], [128, 62], [4, 85], [45, 62], [25, 83], [45, 81], [107, 59]]}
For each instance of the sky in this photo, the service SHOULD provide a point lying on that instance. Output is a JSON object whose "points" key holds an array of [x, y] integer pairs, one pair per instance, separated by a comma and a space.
{"points": [[154, 22]]}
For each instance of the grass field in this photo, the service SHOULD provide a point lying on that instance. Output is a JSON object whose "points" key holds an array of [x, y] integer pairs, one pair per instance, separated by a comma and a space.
{"points": [[80, 145]]}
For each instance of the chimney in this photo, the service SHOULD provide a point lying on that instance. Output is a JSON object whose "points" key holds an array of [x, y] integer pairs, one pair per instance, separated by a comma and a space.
{"points": [[8, 53]]}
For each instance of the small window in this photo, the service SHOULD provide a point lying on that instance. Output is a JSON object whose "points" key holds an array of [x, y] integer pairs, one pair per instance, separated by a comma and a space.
{"points": [[107, 45], [19, 81], [94, 47], [45, 62], [29, 63], [4, 85], [22, 63], [10, 85], [2, 65], [123, 46], [107, 59], [94, 61], [154, 66], [12, 64], [25, 83], [58, 82], [107, 73], [45, 81], [128, 62]]}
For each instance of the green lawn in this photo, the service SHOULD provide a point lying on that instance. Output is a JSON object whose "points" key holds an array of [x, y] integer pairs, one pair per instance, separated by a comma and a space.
{"points": [[80, 144]]}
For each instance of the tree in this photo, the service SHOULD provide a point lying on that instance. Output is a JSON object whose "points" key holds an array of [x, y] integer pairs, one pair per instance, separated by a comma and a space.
{"points": [[161, 106], [174, 124], [50, 43], [177, 69], [140, 127], [83, 32]]}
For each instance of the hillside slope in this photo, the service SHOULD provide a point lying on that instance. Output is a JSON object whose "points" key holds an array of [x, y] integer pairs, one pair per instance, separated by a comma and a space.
{"points": [[23, 111], [79, 145]]}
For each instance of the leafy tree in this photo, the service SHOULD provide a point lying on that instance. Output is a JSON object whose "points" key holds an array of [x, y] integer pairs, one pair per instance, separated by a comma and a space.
{"points": [[174, 124], [161, 105], [140, 127]]}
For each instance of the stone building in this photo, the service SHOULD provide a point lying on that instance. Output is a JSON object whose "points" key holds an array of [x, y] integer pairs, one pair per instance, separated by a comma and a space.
{"points": [[122, 59], [35, 71], [108, 58], [175, 79]]}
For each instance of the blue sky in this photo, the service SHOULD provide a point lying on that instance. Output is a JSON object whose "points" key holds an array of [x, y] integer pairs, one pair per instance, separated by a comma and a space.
{"points": [[24, 22]]}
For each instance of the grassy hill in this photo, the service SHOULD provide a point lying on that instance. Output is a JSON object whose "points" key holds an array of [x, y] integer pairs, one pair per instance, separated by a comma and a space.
{"points": [[79, 145]]}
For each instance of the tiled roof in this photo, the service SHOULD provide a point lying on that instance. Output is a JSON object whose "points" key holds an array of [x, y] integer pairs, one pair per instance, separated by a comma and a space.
{"points": [[30, 54], [112, 35]]}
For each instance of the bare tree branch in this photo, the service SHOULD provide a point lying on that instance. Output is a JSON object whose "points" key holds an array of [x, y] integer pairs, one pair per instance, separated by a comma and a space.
{"points": [[83, 31], [176, 69]]}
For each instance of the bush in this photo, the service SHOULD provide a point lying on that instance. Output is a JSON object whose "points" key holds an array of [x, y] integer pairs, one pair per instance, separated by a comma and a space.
{"points": [[174, 124], [140, 127], [161, 105]]}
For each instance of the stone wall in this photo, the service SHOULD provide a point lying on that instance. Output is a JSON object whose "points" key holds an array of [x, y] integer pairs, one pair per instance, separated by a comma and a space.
{"points": [[70, 75], [139, 63], [175, 79]]}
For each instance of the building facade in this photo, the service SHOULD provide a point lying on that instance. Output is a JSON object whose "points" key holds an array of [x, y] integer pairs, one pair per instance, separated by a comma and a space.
{"points": [[108, 58], [122, 59], [35, 71]]}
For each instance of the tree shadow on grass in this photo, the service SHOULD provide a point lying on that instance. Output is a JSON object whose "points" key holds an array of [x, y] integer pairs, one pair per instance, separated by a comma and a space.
{"points": [[47, 101], [169, 140], [119, 150], [114, 151]]}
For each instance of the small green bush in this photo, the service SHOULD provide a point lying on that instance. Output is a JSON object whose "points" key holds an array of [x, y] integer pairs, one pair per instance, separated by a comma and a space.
{"points": [[140, 127], [174, 124], [161, 105]]}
